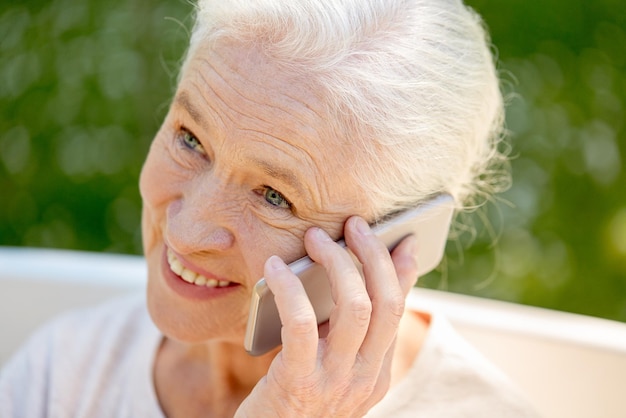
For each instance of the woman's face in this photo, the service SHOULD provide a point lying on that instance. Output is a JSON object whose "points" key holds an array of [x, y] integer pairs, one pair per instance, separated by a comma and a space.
{"points": [[242, 166]]}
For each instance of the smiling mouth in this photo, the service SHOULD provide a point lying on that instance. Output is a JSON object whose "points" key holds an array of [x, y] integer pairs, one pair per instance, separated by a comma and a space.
{"points": [[190, 276]]}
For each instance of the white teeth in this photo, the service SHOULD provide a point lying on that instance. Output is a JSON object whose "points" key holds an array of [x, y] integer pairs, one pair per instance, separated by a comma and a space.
{"points": [[177, 267], [191, 276]]}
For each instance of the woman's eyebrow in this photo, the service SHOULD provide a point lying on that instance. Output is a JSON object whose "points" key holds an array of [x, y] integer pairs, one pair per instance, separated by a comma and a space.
{"points": [[282, 174], [182, 99]]}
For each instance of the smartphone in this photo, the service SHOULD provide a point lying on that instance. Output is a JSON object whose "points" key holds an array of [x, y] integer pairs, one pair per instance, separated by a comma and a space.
{"points": [[429, 222]]}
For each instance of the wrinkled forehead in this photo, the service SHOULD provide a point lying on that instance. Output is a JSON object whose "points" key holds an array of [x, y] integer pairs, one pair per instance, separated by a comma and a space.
{"points": [[242, 86], [261, 85], [255, 77]]}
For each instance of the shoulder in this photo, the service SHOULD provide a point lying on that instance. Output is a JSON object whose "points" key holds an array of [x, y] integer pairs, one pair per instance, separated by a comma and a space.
{"points": [[81, 354], [95, 331], [74, 330], [458, 370], [108, 323], [450, 378]]}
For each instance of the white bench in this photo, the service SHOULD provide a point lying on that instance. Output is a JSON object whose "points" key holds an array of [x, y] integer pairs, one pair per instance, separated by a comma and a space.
{"points": [[569, 365]]}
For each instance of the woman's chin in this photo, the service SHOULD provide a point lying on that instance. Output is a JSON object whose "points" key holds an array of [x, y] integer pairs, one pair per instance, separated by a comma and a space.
{"points": [[188, 324]]}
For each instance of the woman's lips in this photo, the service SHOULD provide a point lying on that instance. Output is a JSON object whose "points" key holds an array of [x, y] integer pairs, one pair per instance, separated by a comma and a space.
{"points": [[189, 283]]}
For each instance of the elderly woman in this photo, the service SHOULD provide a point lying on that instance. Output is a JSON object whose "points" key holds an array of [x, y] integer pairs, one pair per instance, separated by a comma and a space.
{"points": [[294, 123]]}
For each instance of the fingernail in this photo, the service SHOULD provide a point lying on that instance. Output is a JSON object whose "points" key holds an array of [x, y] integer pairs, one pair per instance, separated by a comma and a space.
{"points": [[321, 235], [275, 263], [362, 227]]}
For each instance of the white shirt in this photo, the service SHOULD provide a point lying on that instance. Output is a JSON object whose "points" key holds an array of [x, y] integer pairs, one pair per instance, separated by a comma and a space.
{"points": [[98, 363]]}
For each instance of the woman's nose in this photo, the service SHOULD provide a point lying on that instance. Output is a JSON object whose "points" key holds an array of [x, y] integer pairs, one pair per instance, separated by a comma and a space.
{"points": [[195, 225]]}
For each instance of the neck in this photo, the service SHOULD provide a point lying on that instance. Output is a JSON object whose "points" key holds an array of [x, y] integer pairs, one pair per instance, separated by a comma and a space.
{"points": [[191, 380], [213, 379]]}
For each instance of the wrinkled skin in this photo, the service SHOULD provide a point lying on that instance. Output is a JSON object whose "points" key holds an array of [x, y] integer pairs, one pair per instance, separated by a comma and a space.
{"points": [[245, 176]]}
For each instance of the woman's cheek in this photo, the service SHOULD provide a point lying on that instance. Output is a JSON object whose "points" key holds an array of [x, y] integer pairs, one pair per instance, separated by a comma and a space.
{"points": [[149, 232], [160, 178], [149, 196], [159, 185], [285, 242]]}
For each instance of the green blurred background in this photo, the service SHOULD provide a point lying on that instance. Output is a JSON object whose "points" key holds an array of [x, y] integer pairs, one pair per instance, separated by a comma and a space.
{"points": [[84, 85]]}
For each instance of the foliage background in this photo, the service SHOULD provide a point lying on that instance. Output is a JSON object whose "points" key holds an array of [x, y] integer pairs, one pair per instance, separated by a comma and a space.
{"points": [[84, 85]]}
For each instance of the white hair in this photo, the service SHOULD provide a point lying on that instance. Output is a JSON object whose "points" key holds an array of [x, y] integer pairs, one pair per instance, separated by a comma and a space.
{"points": [[413, 81]]}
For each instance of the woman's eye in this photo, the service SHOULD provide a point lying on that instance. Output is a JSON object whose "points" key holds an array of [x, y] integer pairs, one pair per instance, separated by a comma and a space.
{"points": [[191, 142], [275, 198]]}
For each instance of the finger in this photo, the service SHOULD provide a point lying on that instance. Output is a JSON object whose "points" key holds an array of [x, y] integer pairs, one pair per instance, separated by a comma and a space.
{"points": [[384, 377], [349, 319], [299, 325], [384, 290], [405, 261]]}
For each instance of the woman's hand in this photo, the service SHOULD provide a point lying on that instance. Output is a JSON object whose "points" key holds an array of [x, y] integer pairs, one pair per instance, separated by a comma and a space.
{"points": [[348, 371]]}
